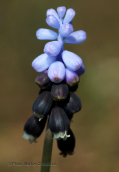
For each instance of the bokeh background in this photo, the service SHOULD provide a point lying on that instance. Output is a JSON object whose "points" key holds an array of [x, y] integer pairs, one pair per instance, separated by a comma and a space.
{"points": [[96, 127]]}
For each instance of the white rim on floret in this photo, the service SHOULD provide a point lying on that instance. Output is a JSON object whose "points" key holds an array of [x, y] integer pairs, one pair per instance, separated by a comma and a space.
{"points": [[40, 119], [39, 116], [30, 137], [61, 135]]}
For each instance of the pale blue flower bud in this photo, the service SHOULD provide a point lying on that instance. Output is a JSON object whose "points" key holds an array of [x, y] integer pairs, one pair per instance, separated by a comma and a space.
{"points": [[46, 34], [52, 12], [76, 37], [52, 48], [71, 60], [56, 72], [52, 21], [71, 77], [66, 29], [61, 11], [69, 15], [42, 62]]}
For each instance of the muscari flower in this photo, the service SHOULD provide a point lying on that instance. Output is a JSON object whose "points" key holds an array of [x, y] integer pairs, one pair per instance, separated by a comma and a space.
{"points": [[42, 105], [42, 80], [56, 98], [54, 50], [59, 91], [67, 146], [73, 104], [59, 123], [33, 128], [71, 77]]}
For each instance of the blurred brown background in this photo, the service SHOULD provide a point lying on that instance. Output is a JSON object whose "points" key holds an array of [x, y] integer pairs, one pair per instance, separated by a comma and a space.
{"points": [[96, 127]]}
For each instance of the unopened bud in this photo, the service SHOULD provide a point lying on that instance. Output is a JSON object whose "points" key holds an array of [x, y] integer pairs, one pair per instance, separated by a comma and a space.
{"points": [[59, 123], [73, 104], [33, 128], [42, 105], [59, 91], [43, 80], [67, 146]]}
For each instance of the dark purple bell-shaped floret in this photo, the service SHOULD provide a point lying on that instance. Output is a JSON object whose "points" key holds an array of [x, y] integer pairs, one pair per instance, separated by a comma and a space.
{"points": [[67, 146], [33, 128], [43, 80], [59, 91], [74, 88], [59, 123], [73, 104], [42, 105]]}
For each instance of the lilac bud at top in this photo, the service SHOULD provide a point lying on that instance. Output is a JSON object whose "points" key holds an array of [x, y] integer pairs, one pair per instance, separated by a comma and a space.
{"points": [[61, 11], [42, 62], [46, 34], [52, 48], [56, 72], [81, 70], [52, 12], [72, 61], [76, 37], [66, 29], [71, 78], [33, 128], [59, 123], [52, 21], [69, 15]]}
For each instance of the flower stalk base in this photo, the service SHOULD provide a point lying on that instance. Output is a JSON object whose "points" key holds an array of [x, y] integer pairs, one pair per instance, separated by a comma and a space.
{"points": [[47, 150]]}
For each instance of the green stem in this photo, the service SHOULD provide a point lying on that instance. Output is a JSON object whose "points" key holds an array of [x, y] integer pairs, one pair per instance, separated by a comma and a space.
{"points": [[47, 150]]}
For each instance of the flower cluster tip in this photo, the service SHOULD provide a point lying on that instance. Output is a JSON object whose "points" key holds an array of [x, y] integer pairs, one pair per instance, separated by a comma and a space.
{"points": [[54, 50]]}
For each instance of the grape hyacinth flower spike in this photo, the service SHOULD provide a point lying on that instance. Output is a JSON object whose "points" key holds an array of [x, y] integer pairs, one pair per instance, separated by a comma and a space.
{"points": [[58, 79], [54, 50]]}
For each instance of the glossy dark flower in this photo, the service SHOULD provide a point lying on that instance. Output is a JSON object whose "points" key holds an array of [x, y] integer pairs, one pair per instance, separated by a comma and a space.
{"points": [[43, 80], [67, 146], [74, 88], [33, 128], [73, 104], [59, 123], [59, 91], [42, 105]]}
